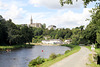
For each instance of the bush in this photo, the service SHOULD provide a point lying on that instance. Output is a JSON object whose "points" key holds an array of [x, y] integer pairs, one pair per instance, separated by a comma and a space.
{"points": [[58, 55], [36, 61], [67, 51], [52, 56]]}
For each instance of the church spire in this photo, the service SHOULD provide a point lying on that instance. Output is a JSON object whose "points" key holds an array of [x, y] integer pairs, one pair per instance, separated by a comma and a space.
{"points": [[31, 20]]}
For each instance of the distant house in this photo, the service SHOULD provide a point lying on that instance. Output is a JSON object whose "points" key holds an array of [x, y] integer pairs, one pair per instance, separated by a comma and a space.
{"points": [[68, 41], [52, 27], [52, 41]]}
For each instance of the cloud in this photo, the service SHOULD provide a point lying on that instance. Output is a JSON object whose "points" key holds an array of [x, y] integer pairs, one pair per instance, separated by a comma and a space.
{"points": [[2, 5], [60, 18], [11, 11], [66, 19], [55, 4]]}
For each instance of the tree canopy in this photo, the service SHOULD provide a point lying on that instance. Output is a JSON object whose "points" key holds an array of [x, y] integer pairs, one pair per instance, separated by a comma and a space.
{"points": [[86, 2]]}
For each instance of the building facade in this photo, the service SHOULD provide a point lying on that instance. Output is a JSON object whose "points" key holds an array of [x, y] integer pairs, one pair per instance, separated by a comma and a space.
{"points": [[38, 25]]}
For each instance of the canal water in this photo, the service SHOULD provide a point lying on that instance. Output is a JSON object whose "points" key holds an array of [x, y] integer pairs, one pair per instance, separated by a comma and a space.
{"points": [[21, 57]]}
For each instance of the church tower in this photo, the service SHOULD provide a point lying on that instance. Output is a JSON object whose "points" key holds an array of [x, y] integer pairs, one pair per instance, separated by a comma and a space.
{"points": [[31, 20]]}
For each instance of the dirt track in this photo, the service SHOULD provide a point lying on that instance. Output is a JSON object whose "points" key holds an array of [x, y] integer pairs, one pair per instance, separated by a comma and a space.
{"points": [[78, 59]]}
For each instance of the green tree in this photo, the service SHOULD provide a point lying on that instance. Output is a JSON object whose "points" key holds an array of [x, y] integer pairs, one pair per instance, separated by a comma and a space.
{"points": [[86, 2], [27, 34], [98, 38], [3, 31], [44, 26]]}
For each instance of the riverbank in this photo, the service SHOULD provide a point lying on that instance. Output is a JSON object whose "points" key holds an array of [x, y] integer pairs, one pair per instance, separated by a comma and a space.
{"points": [[49, 62], [15, 46], [46, 44], [79, 59]]}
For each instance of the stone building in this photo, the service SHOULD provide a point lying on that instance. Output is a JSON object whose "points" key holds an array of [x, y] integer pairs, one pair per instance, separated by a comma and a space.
{"points": [[38, 25]]}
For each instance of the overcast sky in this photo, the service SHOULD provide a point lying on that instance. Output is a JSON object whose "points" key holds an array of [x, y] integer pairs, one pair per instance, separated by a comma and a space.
{"points": [[49, 12]]}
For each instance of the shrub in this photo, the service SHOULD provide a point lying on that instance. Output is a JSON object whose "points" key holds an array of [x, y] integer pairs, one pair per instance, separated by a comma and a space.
{"points": [[67, 51], [36, 61], [52, 56], [58, 55]]}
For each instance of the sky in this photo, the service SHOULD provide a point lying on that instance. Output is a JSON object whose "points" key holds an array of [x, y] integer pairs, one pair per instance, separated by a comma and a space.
{"points": [[49, 12]]}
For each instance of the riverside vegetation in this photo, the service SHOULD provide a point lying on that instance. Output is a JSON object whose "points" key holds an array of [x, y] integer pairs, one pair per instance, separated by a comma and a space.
{"points": [[16, 46], [96, 61], [53, 58], [11, 34]]}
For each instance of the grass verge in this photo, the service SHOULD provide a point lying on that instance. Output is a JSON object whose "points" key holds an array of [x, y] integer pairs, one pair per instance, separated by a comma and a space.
{"points": [[89, 47], [93, 64], [49, 63]]}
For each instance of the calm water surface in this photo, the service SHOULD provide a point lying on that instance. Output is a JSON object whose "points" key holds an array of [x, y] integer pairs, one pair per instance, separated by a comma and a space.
{"points": [[21, 57]]}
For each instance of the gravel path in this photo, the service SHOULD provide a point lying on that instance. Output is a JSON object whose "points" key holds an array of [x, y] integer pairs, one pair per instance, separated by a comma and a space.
{"points": [[78, 59]]}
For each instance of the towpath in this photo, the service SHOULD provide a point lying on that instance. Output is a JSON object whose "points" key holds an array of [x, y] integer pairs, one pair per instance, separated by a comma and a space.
{"points": [[79, 59]]}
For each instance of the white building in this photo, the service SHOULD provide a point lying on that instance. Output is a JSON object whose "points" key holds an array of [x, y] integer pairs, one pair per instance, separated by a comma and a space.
{"points": [[53, 41], [67, 41], [52, 27]]}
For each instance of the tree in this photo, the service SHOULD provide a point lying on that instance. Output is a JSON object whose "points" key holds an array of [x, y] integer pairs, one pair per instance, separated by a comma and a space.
{"points": [[44, 26], [3, 30], [98, 37], [96, 23], [81, 28], [38, 31], [26, 33], [86, 2]]}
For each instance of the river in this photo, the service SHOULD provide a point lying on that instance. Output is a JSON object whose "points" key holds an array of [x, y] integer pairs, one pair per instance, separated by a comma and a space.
{"points": [[21, 57]]}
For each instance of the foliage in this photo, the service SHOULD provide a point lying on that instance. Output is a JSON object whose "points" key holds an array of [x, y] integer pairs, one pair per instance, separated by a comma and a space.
{"points": [[48, 63], [98, 40], [52, 56], [86, 2], [41, 62], [93, 28], [36, 61], [15, 46], [58, 55], [11, 34], [44, 26], [93, 64], [67, 51]]}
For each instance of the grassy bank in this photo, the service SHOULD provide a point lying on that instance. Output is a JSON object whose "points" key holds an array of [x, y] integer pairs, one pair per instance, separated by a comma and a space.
{"points": [[15, 46], [93, 64], [50, 62]]}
